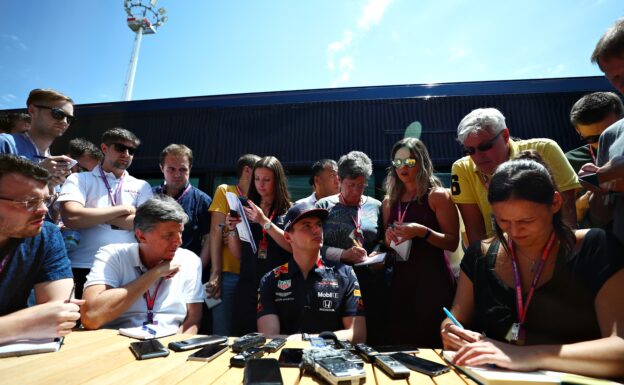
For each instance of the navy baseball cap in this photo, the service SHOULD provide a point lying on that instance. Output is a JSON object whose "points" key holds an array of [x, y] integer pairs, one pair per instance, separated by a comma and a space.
{"points": [[303, 210]]}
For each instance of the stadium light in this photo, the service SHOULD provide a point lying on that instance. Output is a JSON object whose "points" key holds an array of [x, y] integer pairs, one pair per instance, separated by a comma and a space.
{"points": [[143, 19]]}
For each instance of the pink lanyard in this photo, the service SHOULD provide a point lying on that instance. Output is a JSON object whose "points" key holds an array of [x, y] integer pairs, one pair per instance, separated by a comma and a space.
{"points": [[6, 259], [117, 192], [240, 193], [401, 215], [522, 310], [150, 301], [186, 190], [591, 152]]}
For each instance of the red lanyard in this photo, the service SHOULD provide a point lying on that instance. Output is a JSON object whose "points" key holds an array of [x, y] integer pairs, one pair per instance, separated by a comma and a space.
{"points": [[240, 193], [113, 196], [150, 301], [264, 232], [357, 222], [522, 310]]}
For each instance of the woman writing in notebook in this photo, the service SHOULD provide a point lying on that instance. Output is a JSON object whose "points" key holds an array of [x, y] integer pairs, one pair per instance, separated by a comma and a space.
{"points": [[418, 213], [538, 295]]}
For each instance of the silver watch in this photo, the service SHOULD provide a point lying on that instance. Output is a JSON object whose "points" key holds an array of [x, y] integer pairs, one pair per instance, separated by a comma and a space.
{"points": [[267, 226]]}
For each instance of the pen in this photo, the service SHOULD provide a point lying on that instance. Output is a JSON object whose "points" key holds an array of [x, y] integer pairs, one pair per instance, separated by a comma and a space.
{"points": [[356, 243], [71, 293], [453, 319]]}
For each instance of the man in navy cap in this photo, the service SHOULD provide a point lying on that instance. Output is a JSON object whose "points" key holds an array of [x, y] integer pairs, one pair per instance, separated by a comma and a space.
{"points": [[306, 296]]}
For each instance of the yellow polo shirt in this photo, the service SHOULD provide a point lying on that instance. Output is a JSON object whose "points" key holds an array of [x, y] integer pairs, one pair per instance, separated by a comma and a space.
{"points": [[467, 186], [220, 204]]}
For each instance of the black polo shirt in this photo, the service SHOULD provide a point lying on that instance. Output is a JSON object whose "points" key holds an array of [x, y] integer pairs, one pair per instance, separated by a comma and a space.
{"points": [[310, 305]]}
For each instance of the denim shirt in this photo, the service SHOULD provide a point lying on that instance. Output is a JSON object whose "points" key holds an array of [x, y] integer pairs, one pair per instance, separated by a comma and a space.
{"points": [[38, 259]]}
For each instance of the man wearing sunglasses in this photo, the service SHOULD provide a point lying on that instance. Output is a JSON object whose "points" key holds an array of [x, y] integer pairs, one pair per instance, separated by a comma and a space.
{"points": [[100, 204], [487, 144], [32, 256], [51, 114], [590, 116]]}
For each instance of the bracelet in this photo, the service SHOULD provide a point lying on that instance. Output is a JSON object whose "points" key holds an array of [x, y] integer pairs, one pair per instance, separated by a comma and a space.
{"points": [[427, 234]]}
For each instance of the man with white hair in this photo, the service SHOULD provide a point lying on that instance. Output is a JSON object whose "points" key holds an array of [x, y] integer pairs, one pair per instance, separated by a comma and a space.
{"points": [[487, 144]]}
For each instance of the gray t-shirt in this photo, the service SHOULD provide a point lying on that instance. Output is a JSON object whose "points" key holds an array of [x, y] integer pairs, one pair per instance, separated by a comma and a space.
{"points": [[612, 145]]}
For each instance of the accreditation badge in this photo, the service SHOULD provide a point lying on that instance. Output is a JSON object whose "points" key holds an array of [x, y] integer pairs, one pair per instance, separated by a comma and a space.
{"points": [[516, 334], [263, 248]]}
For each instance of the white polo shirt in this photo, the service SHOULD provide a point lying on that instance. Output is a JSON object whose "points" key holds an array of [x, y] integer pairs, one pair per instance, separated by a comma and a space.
{"points": [[119, 264], [88, 189]]}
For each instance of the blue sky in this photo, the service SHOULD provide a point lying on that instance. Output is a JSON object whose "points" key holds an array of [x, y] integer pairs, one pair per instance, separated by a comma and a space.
{"points": [[207, 47]]}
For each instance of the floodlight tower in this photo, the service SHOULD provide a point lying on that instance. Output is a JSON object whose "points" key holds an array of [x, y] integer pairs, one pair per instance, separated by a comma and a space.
{"points": [[140, 12]]}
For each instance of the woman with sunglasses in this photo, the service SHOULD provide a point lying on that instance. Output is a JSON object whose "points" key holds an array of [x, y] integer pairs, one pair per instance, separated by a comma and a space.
{"points": [[419, 214], [352, 233], [539, 284], [267, 204]]}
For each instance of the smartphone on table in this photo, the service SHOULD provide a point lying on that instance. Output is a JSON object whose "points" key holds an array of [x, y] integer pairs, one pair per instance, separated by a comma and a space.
{"points": [[208, 353], [196, 342], [144, 350], [290, 357], [421, 365]]}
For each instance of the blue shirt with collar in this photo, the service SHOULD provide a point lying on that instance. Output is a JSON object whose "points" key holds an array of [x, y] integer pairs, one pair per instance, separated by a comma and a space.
{"points": [[195, 204], [37, 259]]}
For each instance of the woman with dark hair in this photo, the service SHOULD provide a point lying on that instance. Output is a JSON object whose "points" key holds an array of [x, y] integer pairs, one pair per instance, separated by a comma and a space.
{"points": [[540, 284], [268, 201], [418, 212]]}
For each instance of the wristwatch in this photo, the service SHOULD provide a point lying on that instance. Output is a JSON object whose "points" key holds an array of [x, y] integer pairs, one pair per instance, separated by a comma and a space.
{"points": [[267, 226]]}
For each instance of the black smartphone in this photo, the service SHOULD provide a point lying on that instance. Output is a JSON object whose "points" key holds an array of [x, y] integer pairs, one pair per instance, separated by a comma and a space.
{"points": [[196, 342], [208, 353], [234, 214], [591, 178], [143, 350], [244, 201], [290, 357], [388, 349], [263, 371], [421, 365]]}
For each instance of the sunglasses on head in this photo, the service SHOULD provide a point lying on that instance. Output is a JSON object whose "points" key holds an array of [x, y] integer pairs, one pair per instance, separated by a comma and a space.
{"points": [[122, 148], [484, 146], [591, 139], [58, 114], [409, 162]]}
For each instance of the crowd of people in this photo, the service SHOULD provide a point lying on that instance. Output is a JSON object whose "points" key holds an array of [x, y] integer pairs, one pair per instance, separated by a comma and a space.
{"points": [[539, 286]]}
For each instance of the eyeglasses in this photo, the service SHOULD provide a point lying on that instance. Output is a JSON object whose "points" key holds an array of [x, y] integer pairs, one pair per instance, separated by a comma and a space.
{"points": [[59, 114], [409, 162], [32, 205], [123, 148], [591, 139], [483, 147]]}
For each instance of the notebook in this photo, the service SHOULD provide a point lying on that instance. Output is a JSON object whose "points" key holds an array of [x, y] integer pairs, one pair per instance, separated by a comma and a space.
{"points": [[402, 249], [147, 332], [488, 375], [24, 347]]}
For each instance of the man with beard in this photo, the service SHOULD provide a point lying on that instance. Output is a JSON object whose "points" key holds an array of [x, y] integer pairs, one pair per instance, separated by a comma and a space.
{"points": [[101, 203], [51, 113], [32, 256]]}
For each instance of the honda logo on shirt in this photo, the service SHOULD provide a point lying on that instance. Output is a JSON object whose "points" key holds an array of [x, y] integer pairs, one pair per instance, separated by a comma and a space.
{"points": [[327, 304]]}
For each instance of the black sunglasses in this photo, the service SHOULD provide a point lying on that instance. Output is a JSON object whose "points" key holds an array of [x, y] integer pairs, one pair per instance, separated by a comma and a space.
{"points": [[122, 148], [59, 114], [590, 139], [482, 147]]}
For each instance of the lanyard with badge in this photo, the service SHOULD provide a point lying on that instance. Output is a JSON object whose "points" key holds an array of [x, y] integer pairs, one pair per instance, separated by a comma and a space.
{"points": [[117, 194], [264, 242], [516, 333], [358, 233], [186, 190], [150, 301]]}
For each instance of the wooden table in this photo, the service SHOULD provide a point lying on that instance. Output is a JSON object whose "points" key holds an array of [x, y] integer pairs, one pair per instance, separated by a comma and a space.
{"points": [[103, 357]]}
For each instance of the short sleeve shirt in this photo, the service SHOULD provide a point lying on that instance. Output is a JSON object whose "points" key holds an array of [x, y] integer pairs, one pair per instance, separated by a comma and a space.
{"points": [[612, 145], [219, 204], [569, 295], [117, 265], [310, 305], [467, 182], [88, 189], [195, 204], [38, 259]]}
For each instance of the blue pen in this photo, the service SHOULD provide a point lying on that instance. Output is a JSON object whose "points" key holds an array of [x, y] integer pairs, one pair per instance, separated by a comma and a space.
{"points": [[149, 330], [453, 319]]}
